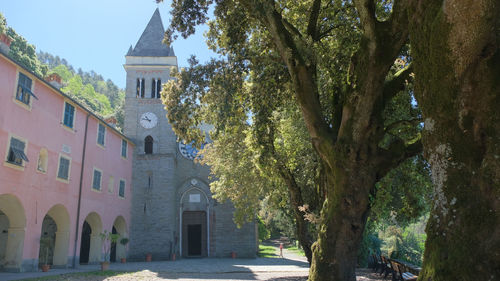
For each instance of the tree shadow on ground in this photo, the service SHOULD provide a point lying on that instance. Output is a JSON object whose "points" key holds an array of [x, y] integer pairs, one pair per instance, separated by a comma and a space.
{"points": [[291, 278]]}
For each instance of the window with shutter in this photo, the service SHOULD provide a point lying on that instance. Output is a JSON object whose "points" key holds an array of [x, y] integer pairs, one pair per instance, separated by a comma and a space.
{"points": [[121, 191], [124, 148], [16, 153], [24, 93], [101, 133], [69, 115], [63, 170], [96, 182]]}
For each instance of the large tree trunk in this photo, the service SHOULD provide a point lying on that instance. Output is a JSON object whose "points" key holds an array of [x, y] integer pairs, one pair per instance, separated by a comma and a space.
{"points": [[343, 219], [457, 63]]}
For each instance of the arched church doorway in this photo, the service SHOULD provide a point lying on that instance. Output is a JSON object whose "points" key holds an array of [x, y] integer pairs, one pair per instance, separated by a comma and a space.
{"points": [[54, 238], [194, 233], [12, 230], [118, 250], [90, 246]]}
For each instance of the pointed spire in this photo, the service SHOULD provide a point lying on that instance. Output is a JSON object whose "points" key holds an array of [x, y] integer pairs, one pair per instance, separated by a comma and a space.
{"points": [[150, 43], [130, 50]]}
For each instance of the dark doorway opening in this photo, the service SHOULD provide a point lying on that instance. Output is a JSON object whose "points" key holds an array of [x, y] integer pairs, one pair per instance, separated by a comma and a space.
{"points": [[47, 241], [85, 244], [194, 234], [112, 256], [194, 240]]}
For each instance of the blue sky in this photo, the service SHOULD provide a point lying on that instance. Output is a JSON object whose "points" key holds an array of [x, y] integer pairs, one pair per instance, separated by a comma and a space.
{"points": [[94, 34]]}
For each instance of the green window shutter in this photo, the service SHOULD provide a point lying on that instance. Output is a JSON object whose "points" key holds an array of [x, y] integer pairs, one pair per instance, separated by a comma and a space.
{"points": [[63, 172], [101, 134], [69, 113], [121, 191], [124, 148], [96, 184]]}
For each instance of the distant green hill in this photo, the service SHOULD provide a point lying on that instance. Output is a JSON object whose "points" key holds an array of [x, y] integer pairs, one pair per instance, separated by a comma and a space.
{"points": [[101, 96]]}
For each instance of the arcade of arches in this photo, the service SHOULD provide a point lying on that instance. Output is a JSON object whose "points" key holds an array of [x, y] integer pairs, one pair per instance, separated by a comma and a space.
{"points": [[54, 236], [12, 227]]}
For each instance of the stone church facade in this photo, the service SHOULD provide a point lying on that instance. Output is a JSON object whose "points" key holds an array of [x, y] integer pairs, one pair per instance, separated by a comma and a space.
{"points": [[172, 208]]}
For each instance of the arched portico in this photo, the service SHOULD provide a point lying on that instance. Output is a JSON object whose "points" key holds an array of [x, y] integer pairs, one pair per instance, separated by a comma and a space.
{"points": [[13, 224], [90, 246], [54, 239]]}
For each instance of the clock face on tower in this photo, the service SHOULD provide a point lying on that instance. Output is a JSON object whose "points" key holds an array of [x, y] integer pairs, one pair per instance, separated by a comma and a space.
{"points": [[148, 120]]}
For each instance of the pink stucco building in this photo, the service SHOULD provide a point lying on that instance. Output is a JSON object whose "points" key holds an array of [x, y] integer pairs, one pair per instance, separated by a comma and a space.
{"points": [[65, 175]]}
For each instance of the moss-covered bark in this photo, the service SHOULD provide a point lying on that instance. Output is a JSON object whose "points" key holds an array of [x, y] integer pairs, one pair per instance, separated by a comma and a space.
{"points": [[457, 63], [343, 218]]}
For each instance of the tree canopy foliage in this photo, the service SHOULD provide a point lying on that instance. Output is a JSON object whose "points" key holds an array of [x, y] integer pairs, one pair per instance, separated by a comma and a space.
{"points": [[317, 63], [343, 63], [25, 53], [3, 24], [99, 95]]}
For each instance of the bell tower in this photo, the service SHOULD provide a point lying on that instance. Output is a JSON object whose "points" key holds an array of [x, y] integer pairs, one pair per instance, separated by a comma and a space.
{"points": [[148, 65], [172, 211]]}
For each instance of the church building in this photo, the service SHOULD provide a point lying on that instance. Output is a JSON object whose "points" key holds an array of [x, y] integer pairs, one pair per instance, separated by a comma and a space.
{"points": [[172, 207], [67, 175]]}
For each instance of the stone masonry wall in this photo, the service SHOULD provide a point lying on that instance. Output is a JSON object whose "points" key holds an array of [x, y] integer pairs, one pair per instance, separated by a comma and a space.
{"points": [[159, 179]]}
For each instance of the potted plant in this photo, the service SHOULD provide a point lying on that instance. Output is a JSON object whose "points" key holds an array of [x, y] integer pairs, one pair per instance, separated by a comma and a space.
{"points": [[124, 241], [44, 244], [45, 265], [107, 238]]}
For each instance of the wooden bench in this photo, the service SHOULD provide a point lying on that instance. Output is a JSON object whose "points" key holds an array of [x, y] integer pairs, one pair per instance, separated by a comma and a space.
{"points": [[386, 267], [401, 272]]}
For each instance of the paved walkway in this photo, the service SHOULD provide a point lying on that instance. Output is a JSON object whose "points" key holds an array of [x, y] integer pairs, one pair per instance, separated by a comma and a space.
{"points": [[207, 265], [291, 267]]}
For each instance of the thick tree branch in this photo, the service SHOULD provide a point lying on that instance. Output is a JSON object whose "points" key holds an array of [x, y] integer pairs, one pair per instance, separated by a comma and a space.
{"points": [[395, 154], [302, 72], [393, 33], [290, 27], [366, 11], [398, 21], [312, 26], [397, 83]]}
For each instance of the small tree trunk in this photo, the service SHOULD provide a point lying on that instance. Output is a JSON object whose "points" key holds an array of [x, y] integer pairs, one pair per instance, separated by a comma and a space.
{"points": [[296, 201], [457, 66]]}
